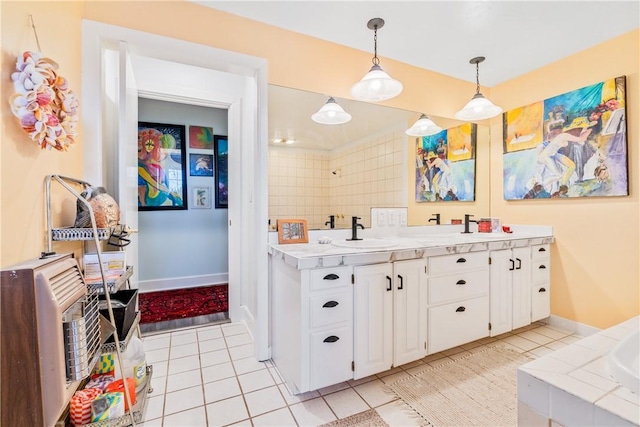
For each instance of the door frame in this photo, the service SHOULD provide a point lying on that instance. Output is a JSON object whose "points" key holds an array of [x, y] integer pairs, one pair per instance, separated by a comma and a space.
{"points": [[248, 234]]}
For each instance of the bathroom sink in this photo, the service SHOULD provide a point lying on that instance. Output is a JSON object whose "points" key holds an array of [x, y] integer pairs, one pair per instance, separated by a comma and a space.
{"points": [[624, 362], [364, 243]]}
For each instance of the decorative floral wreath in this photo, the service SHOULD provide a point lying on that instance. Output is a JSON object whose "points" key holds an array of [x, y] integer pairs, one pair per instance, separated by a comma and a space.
{"points": [[46, 107]]}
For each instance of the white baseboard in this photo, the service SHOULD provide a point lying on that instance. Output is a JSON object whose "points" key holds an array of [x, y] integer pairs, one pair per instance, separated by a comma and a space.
{"points": [[182, 282], [571, 325]]}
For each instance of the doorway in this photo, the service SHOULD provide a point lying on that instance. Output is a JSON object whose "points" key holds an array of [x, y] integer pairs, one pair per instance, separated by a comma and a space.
{"points": [[243, 94]]}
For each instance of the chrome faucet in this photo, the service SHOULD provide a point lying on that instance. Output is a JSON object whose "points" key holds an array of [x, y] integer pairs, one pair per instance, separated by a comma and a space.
{"points": [[467, 220], [332, 221], [435, 218], [354, 228]]}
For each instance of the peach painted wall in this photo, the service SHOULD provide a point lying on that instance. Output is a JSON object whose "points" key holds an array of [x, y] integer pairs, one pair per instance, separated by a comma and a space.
{"points": [[595, 260], [23, 165]]}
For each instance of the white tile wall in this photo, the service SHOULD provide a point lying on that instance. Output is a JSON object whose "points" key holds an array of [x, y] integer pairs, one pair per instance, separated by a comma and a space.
{"points": [[369, 173]]}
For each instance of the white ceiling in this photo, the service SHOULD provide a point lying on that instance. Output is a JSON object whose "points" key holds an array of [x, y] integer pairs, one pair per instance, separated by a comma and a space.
{"points": [[515, 36]]}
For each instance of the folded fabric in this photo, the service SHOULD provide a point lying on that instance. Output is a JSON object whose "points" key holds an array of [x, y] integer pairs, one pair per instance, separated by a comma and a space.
{"points": [[100, 381], [107, 407], [80, 406]]}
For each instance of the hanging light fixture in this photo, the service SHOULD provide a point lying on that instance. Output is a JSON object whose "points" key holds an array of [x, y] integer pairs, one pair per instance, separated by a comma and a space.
{"points": [[331, 114], [479, 108], [424, 126], [376, 85]]}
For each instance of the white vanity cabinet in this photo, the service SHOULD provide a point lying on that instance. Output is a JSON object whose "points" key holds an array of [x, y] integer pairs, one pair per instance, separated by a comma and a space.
{"points": [[510, 289], [458, 299], [390, 315], [541, 282], [312, 334]]}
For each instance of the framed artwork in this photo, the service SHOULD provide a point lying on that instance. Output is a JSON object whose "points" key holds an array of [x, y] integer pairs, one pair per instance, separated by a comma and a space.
{"points": [[162, 180], [201, 197], [292, 231], [446, 165], [201, 137], [200, 164], [570, 145], [221, 152]]}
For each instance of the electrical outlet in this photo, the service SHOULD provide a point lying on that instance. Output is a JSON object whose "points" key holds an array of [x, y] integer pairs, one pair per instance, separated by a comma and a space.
{"points": [[393, 217], [382, 218]]}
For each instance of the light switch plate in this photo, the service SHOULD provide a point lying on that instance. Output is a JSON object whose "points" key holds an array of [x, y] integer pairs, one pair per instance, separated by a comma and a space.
{"points": [[382, 218], [393, 217]]}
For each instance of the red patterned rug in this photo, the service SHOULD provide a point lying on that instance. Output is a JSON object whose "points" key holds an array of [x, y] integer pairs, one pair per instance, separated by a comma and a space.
{"points": [[182, 303]]}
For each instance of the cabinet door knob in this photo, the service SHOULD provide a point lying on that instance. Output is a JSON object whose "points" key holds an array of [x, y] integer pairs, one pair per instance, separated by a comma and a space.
{"points": [[461, 260], [330, 304], [401, 282], [332, 338], [460, 309], [542, 267], [390, 287], [542, 290], [461, 282], [331, 277]]}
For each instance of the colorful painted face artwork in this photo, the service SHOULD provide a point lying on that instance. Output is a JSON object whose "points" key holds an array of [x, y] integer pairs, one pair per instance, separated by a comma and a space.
{"points": [[446, 165], [571, 145], [161, 168]]}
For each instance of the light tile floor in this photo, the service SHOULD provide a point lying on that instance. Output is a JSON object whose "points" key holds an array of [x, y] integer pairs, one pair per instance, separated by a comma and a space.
{"points": [[207, 376]]}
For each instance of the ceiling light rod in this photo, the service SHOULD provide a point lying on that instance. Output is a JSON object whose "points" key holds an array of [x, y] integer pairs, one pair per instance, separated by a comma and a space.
{"points": [[477, 60], [374, 24]]}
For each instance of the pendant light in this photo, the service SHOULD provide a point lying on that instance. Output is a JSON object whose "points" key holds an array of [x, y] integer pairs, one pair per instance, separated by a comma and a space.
{"points": [[376, 85], [331, 114], [424, 126], [479, 108]]}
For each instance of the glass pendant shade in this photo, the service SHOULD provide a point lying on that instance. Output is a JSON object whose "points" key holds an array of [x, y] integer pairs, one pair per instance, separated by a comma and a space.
{"points": [[424, 126], [479, 108], [331, 114], [376, 85]]}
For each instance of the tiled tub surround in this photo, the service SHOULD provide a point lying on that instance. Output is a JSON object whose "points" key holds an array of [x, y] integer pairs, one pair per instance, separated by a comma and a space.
{"points": [[573, 387], [342, 314]]}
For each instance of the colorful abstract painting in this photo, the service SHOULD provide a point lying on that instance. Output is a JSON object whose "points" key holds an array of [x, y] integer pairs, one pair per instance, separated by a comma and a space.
{"points": [[162, 181], [446, 165], [221, 153], [201, 137], [571, 145]]}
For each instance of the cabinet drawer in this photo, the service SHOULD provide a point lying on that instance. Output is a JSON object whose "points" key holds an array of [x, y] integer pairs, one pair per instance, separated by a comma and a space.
{"points": [[458, 323], [333, 308], [458, 286], [540, 251], [456, 263], [327, 278], [540, 271], [331, 355], [540, 302]]}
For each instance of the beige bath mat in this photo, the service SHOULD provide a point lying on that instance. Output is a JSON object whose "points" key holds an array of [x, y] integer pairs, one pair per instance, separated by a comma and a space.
{"points": [[475, 390], [368, 418]]}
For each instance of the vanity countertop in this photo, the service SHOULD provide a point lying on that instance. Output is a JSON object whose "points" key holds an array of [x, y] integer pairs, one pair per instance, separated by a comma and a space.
{"points": [[409, 243]]}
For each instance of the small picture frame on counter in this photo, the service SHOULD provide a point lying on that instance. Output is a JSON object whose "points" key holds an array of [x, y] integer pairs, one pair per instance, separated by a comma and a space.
{"points": [[292, 231]]}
